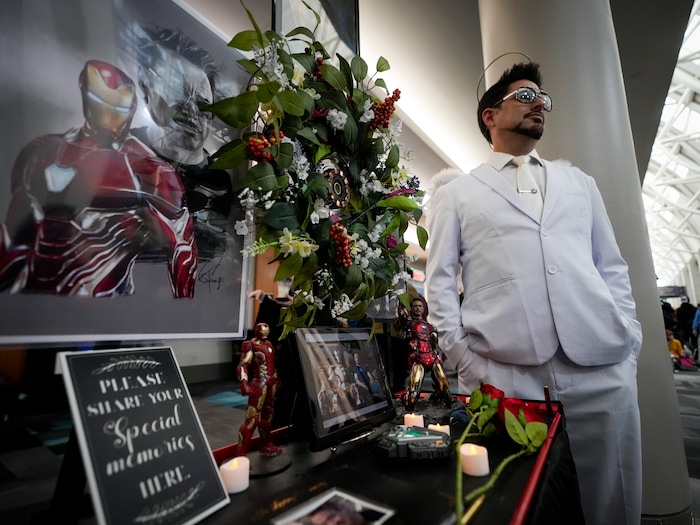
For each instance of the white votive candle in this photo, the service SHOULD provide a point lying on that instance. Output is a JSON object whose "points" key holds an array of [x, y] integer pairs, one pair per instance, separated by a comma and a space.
{"points": [[236, 474], [413, 420], [440, 428], [475, 460]]}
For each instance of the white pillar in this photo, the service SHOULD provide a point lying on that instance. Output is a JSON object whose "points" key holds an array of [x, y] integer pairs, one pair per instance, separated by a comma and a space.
{"points": [[575, 44]]}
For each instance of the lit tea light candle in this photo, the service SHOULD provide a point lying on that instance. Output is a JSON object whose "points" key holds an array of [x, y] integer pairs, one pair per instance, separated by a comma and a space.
{"points": [[413, 420], [440, 428], [475, 460], [236, 474]]}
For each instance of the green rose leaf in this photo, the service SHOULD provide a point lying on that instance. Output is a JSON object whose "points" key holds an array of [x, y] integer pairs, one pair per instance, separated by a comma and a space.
{"points": [[475, 400], [400, 202], [515, 429], [284, 155], [333, 76], [422, 236], [536, 432], [353, 278], [347, 72], [380, 82], [266, 91], [307, 100]]}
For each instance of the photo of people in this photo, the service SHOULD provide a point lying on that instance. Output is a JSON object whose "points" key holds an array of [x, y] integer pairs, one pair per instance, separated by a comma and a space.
{"points": [[336, 507]]}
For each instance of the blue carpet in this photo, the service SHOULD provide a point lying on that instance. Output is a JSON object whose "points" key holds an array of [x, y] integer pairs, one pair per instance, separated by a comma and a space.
{"points": [[229, 399]]}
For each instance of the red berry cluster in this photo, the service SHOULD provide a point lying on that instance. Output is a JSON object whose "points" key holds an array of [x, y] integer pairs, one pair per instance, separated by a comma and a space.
{"points": [[257, 145], [384, 110], [342, 244]]}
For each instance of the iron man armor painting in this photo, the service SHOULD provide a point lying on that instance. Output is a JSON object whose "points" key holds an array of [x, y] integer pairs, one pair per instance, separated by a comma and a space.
{"points": [[88, 203]]}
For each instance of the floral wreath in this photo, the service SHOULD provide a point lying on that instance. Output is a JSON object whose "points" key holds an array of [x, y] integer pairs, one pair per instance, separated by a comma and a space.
{"points": [[326, 190]]}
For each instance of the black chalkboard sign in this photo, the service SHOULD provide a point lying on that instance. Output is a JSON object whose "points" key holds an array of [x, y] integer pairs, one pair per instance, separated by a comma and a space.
{"points": [[146, 457]]}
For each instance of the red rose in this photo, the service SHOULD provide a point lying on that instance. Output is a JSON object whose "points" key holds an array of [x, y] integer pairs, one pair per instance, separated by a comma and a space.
{"points": [[523, 411], [491, 395]]}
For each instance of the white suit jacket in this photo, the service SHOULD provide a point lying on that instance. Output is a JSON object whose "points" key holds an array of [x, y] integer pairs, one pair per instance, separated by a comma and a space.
{"points": [[528, 287]]}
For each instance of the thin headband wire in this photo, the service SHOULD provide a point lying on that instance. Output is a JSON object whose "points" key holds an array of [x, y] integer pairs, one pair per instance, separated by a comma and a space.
{"points": [[483, 73]]}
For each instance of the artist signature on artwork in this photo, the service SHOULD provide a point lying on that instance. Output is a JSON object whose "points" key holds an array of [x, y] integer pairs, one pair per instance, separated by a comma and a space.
{"points": [[210, 274]]}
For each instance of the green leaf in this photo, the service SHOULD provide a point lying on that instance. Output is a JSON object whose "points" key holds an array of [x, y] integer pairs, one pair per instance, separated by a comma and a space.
{"points": [[291, 103], [515, 429], [333, 76], [249, 66], [301, 31], [246, 40], [322, 151], [266, 90], [288, 267], [393, 225], [307, 100], [237, 112], [353, 278], [350, 131], [475, 400], [536, 432], [422, 236], [347, 72], [383, 65], [359, 68], [380, 82], [231, 158], [261, 176], [308, 134], [357, 312], [392, 160], [281, 215], [284, 156], [306, 61], [400, 202]]}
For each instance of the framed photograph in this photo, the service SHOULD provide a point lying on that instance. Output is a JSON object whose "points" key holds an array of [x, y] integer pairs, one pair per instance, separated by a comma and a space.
{"points": [[336, 506], [112, 226]]}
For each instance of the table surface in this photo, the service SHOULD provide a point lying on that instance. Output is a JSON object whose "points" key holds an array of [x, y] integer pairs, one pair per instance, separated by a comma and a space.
{"points": [[420, 491]]}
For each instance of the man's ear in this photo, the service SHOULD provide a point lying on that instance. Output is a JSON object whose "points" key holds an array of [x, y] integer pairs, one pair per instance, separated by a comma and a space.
{"points": [[487, 116]]}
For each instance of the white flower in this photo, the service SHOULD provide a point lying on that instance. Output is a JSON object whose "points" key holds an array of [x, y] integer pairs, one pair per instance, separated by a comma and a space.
{"points": [[321, 209], [241, 227], [337, 119], [367, 111]]}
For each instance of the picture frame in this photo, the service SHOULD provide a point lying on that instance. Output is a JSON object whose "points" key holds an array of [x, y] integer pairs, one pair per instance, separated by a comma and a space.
{"points": [[326, 507], [43, 58]]}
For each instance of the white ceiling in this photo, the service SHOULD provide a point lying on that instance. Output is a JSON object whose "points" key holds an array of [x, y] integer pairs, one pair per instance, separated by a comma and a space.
{"points": [[434, 49]]}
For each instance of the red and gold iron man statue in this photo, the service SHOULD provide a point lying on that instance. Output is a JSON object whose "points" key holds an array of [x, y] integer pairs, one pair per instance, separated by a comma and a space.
{"points": [[259, 381], [86, 204], [424, 353]]}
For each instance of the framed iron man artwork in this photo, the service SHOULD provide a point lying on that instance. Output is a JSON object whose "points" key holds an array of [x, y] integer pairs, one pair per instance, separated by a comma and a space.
{"points": [[112, 225]]}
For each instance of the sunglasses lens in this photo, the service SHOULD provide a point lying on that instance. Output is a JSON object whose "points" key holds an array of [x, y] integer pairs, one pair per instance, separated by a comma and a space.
{"points": [[526, 95]]}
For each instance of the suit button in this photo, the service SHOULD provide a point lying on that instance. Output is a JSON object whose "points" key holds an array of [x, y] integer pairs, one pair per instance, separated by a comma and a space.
{"points": [[551, 270], [545, 232]]}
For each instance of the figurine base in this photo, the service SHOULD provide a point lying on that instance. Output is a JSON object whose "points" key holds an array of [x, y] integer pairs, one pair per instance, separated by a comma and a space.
{"points": [[263, 466], [433, 411]]}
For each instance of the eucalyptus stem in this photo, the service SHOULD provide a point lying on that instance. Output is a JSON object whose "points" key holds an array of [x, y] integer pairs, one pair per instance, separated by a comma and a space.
{"points": [[494, 477]]}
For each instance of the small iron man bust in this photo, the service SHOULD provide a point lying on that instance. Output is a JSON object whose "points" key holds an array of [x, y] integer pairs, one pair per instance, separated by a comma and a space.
{"points": [[259, 381], [424, 354]]}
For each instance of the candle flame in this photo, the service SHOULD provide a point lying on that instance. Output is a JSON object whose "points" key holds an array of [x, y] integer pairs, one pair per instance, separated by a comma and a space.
{"points": [[234, 464], [472, 449]]}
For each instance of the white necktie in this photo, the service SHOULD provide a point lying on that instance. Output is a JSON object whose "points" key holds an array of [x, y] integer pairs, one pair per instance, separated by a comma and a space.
{"points": [[527, 186]]}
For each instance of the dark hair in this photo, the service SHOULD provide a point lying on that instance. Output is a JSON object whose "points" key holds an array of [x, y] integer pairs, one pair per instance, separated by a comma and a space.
{"points": [[494, 94], [178, 42]]}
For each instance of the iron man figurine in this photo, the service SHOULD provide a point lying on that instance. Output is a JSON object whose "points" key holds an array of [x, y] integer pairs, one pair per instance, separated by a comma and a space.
{"points": [[424, 354], [259, 381], [86, 204]]}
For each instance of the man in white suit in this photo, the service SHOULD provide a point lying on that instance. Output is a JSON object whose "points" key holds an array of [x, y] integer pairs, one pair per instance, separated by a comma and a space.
{"points": [[547, 298]]}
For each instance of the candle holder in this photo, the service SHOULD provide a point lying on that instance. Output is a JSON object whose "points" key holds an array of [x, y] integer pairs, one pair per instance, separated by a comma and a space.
{"points": [[235, 474]]}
